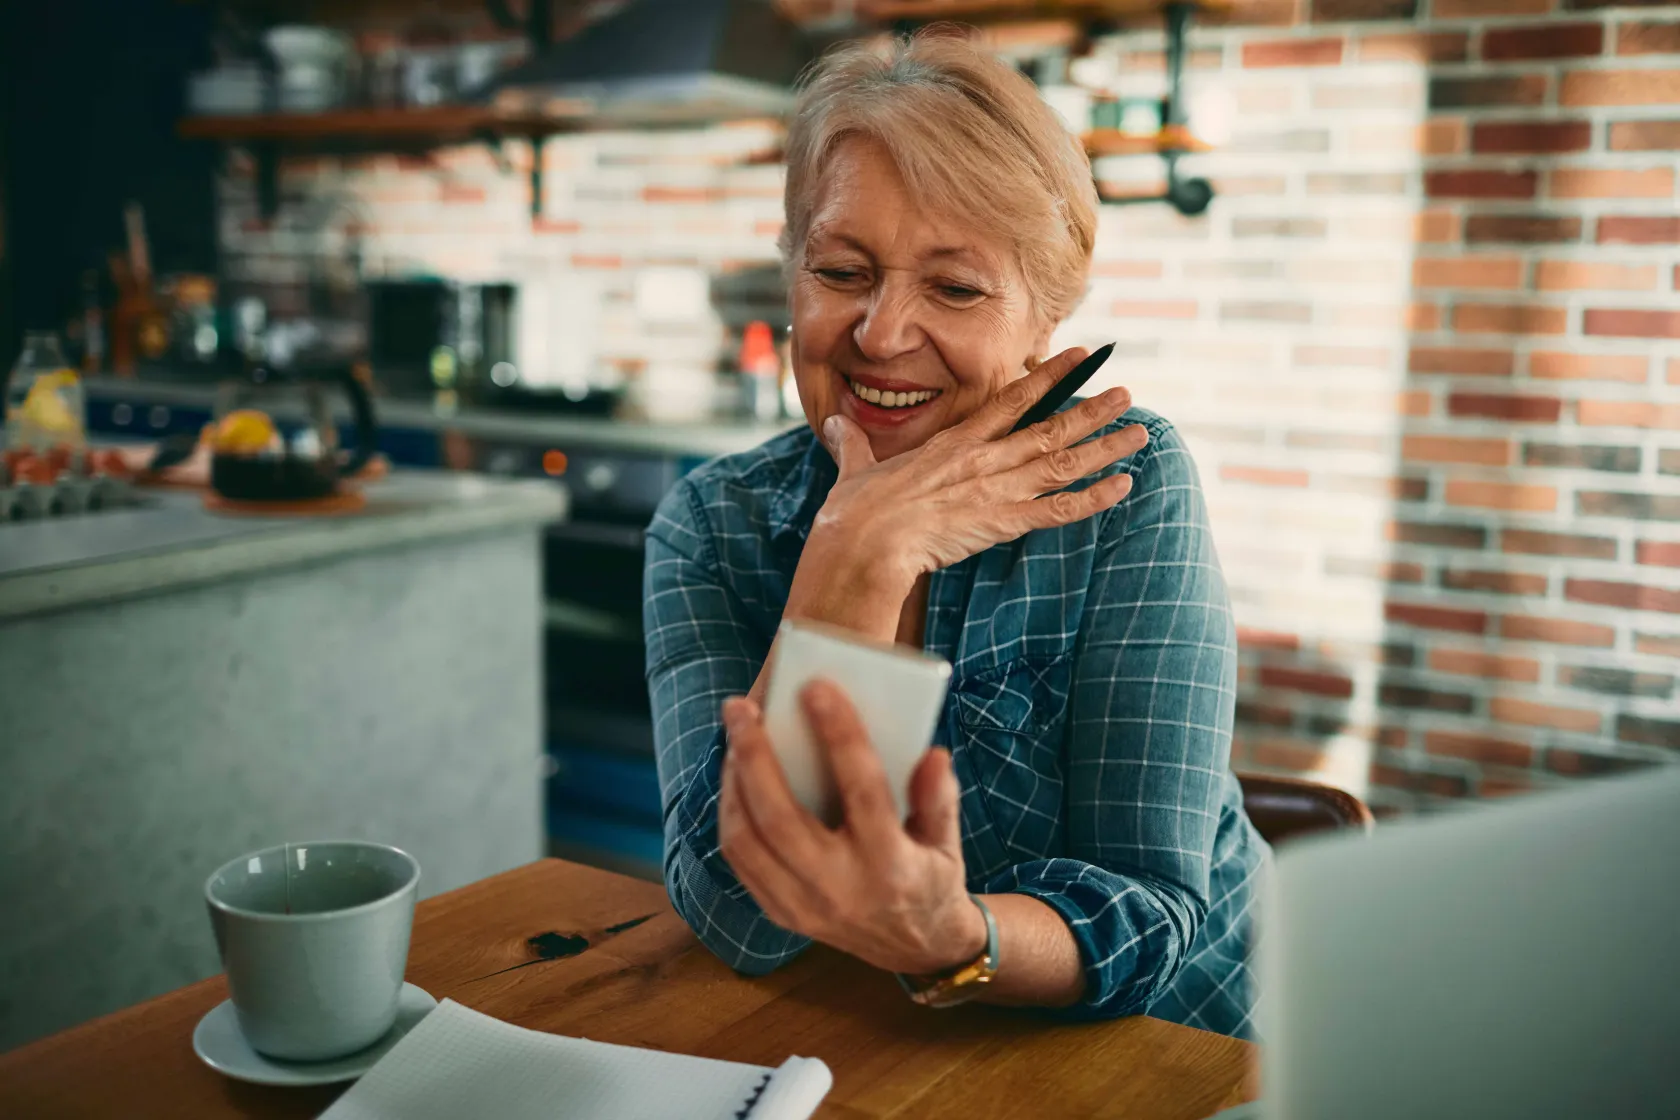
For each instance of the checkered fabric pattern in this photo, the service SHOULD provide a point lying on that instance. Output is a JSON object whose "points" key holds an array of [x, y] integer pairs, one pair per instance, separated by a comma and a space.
{"points": [[1089, 719]]}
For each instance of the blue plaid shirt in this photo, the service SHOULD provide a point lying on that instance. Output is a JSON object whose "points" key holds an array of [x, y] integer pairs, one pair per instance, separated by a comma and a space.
{"points": [[1089, 719]]}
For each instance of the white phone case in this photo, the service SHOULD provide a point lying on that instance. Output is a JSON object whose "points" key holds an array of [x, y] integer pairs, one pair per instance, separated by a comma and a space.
{"points": [[898, 693]]}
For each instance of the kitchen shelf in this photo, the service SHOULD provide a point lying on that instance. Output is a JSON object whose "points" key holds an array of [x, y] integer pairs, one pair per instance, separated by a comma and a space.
{"points": [[984, 11], [1112, 142], [439, 124]]}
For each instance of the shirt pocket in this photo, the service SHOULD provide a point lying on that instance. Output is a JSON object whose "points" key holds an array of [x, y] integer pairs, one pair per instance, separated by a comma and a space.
{"points": [[1010, 721]]}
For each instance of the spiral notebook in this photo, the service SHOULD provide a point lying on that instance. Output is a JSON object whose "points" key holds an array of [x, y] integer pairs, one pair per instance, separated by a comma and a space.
{"points": [[458, 1062]]}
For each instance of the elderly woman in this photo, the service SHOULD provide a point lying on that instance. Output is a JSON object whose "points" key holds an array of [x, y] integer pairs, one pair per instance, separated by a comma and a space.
{"points": [[1084, 820]]}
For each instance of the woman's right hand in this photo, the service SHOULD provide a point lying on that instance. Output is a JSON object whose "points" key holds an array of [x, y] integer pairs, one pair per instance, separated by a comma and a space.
{"points": [[969, 487]]}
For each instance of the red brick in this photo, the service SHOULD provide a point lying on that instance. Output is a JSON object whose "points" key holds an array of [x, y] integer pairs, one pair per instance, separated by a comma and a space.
{"points": [[1651, 732], [1548, 40], [1627, 230], [1480, 748], [1503, 785], [1620, 87], [1531, 228], [1507, 709], [1414, 402], [1266, 715], [1573, 275], [1249, 638], [1436, 618], [1644, 136], [1631, 323], [1128, 269], [1674, 371], [1293, 52], [1443, 136], [1628, 596], [1562, 631], [1531, 137], [1384, 486], [1544, 410], [1662, 645], [1627, 414], [1302, 680], [1535, 543], [1577, 763], [1411, 317], [679, 194], [1434, 226], [1516, 318], [1436, 535], [1388, 571], [1557, 365], [1455, 359], [1479, 90], [1467, 272], [1153, 308], [1501, 495], [561, 226], [584, 260], [458, 192], [1477, 183], [1648, 37], [1455, 449], [1498, 583], [1263, 476], [1472, 9], [1441, 785], [1664, 553], [1415, 46], [1596, 182], [1338, 11], [1298, 755]]}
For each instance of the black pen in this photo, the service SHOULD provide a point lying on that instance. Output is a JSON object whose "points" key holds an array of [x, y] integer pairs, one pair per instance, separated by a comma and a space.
{"points": [[1059, 393]]}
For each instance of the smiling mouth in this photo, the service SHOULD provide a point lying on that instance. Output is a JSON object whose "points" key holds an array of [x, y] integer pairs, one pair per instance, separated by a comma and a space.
{"points": [[890, 399]]}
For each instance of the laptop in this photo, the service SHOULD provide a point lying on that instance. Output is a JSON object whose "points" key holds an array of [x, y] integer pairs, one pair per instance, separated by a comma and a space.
{"points": [[1517, 960]]}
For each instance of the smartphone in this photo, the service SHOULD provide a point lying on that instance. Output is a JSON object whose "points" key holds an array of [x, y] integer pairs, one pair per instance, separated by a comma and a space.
{"points": [[1057, 395], [898, 693]]}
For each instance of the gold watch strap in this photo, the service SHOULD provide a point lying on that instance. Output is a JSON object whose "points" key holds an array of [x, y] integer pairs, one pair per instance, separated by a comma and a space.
{"points": [[962, 983]]}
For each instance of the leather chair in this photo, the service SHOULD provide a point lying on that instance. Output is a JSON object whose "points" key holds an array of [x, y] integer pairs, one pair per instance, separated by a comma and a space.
{"points": [[1283, 808]]}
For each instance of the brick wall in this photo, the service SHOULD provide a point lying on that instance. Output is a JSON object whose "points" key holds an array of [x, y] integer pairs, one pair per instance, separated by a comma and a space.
{"points": [[1425, 345]]}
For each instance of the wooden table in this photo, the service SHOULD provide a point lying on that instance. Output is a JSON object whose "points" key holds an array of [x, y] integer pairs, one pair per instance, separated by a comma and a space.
{"points": [[650, 983]]}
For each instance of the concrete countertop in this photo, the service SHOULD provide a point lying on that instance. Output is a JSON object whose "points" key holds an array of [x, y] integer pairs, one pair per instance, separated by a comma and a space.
{"points": [[172, 540], [708, 439]]}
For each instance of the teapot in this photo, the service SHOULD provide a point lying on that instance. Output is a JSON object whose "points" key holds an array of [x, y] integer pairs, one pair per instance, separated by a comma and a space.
{"points": [[274, 438]]}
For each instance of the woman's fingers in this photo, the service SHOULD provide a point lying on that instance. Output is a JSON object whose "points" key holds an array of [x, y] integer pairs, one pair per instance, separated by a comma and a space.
{"points": [[1067, 506], [935, 798], [797, 839], [848, 444], [993, 419], [1067, 465], [776, 890], [871, 811]]}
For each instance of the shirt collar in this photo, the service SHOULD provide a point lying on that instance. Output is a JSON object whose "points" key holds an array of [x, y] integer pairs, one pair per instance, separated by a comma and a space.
{"points": [[802, 490]]}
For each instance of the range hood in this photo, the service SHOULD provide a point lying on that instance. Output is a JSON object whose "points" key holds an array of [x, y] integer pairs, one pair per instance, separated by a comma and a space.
{"points": [[663, 62]]}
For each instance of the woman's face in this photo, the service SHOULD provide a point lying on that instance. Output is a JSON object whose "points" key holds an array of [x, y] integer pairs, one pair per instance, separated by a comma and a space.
{"points": [[902, 320]]}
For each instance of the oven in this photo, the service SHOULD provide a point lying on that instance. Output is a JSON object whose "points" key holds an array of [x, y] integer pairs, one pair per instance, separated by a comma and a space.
{"points": [[602, 785]]}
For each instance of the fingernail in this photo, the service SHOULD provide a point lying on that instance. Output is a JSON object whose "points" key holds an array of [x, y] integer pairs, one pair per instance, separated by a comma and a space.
{"points": [[831, 431], [734, 713], [819, 694]]}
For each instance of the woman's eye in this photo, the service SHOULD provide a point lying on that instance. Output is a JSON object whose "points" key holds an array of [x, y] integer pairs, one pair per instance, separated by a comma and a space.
{"points": [[959, 292], [840, 275]]}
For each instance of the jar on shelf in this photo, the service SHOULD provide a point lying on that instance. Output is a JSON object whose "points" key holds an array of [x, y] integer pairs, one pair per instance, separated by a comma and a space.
{"points": [[45, 406]]}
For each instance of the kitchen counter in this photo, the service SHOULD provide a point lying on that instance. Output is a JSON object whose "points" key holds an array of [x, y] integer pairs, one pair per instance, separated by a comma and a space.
{"points": [[177, 688], [173, 541], [722, 436]]}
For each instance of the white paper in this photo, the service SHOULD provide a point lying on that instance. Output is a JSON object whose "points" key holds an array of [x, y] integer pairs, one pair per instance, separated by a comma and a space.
{"points": [[460, 1063]]}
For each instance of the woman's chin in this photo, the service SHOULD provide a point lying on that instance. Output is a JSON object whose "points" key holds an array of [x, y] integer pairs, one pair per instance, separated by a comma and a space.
{"points": [[893, 431]]}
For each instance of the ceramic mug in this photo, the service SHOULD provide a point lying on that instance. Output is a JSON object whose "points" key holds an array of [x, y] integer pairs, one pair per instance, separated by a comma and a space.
{"points": [[314, 938]]}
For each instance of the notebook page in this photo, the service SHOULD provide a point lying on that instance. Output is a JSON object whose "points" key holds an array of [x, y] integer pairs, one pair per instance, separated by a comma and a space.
{"points": [[460, 1063]]}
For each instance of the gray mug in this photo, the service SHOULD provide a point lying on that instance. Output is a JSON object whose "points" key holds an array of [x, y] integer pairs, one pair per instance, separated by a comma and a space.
{"points": [[314, 938]]}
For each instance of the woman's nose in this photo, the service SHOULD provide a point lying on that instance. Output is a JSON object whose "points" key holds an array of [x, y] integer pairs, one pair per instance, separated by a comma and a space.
{"points": [[888, 327]]}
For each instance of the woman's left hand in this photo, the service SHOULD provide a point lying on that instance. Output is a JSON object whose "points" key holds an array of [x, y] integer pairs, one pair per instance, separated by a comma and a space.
{"points": [[892, 895]]}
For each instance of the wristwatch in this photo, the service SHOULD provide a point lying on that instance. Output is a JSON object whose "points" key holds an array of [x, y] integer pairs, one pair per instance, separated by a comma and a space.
{"points": [[963, 983]]}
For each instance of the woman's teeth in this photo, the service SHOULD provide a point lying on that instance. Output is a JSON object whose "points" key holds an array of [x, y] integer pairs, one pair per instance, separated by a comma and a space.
{"points": [[890, 400]]}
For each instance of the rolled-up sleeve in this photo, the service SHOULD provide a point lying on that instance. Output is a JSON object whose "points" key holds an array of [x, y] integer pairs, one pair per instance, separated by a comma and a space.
{"points": [[1148, 742], [700, 650]]}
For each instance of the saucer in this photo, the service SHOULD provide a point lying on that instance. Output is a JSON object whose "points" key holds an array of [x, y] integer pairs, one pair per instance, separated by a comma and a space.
{"points": [[220, 1045]]}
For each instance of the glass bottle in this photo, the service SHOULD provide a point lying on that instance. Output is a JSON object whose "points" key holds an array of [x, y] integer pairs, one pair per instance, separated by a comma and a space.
{"points": [[45, 406]]}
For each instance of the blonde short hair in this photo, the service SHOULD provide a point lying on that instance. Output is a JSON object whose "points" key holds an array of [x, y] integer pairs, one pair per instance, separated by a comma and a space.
{"points": [[972, 140]]}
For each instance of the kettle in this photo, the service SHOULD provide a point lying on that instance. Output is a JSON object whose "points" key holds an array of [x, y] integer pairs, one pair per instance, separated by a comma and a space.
{"points": [[274, 439]]}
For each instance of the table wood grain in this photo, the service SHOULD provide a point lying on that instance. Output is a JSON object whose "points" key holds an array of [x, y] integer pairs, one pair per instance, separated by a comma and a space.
{"points": [[644, 980]]}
